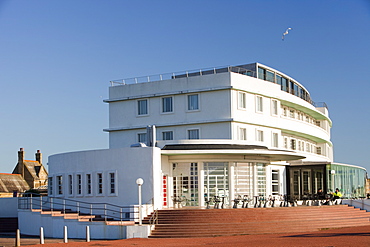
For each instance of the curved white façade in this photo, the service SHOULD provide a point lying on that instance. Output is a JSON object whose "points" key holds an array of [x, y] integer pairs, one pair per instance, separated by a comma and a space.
{"points": [[250, 104]]}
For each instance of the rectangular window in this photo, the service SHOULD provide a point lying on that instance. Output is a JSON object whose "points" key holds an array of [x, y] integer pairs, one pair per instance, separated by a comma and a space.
{"points": [[292, 114], [100, 183], [260, 135], [142, 107], [318, 123], [60, 185], [70, 185], [242, 101], [112, 182], [275, 140], [79, 184], [293, 144], [270, 76], [274, 107], [141, 137], [275, 182], [259, 104], [261, 73], [286, 143], [193, 102], [242, 134], [318, 150], [284, 84], [167, 104], [307, 147], [50, 185], [193, 134], [167, 135], [88, 184], [278, 80]]}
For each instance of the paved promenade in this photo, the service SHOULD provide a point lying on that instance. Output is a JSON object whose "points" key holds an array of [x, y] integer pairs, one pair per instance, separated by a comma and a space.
{"points": [[352, 236]]}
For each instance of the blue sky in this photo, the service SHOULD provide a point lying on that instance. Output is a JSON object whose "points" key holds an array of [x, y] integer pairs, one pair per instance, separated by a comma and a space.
{"points": [[57, 58]]}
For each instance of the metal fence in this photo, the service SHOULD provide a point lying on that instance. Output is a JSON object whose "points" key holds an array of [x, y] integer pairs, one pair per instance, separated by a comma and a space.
{"points": [[92, 211]]}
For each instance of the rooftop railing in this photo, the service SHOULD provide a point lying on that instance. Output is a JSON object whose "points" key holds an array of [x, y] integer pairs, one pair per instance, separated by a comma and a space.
{"points": [[183, 74]]}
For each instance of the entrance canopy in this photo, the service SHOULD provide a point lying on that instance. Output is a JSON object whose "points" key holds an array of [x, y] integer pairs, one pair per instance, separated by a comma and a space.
{"points": [[247, 151]]}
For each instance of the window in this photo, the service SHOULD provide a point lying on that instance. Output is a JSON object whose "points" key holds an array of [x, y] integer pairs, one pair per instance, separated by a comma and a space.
{"points": [[275, 182], [259, 104], [318, 123], [193, 102], [242, 134], [70, 185], [293, 144], [274, 107], [285, 112], [60, 185], [50, 185], [275, 140], [193, 134], [318, 150], [270, 76], [167, 104], [284, 84], [79, 184], [141, 137], [167, 135], [100, 183], [260, 135], [292, 114], [112, 182], [142, 107], [88, 184], [307, 147], [261, 73], [286, 143], [242, 102]]}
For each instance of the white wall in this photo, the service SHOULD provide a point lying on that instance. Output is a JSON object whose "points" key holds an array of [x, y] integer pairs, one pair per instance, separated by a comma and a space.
{"points": [[127, 163], [9, 207]]}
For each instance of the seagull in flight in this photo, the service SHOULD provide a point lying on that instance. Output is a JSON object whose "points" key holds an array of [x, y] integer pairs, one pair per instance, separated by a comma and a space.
{"points": [[286, 32]]}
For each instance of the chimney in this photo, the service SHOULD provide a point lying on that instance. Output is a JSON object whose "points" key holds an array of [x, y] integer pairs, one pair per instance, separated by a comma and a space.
{"points": [[21, 155], [38, 156]]}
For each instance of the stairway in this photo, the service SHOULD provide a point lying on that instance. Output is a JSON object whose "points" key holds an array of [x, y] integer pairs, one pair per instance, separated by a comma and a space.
{"points": [[185, 223], [69, 214]]}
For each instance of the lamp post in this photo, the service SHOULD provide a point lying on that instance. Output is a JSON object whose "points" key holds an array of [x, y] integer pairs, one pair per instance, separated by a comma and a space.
{"points": [[139, 182]]}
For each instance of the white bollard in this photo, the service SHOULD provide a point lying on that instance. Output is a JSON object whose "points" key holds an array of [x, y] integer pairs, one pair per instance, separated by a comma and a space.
{"points": [[65, 235], [87, 234], [42, 240], [18, 238]]}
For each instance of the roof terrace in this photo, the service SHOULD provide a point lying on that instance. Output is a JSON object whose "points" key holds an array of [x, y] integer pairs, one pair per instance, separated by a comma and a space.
{"points": [[255, 70]]}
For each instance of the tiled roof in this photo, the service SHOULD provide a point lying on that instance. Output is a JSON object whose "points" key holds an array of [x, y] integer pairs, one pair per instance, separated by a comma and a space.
{"points": [[12, 182]]}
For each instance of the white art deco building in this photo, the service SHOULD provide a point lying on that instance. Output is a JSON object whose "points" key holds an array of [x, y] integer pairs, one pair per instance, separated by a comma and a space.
{"points": [[228, 131]]}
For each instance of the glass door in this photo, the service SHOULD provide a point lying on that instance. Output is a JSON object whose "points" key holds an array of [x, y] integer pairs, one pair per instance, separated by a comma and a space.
{"points": [[216, 181], [185, 183]]}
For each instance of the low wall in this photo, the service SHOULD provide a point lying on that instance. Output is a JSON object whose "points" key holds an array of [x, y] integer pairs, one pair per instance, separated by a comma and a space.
{"points": [[363, 204], [30, 223], [9, 207]]}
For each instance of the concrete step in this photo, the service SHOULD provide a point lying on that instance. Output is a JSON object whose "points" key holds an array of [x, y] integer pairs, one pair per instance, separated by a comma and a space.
{"points": [[226, 222]]}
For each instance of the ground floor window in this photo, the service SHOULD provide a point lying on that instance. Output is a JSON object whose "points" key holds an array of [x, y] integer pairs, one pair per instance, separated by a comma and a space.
{"points": [[216, 180], [195, 184], [274, 182]]}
